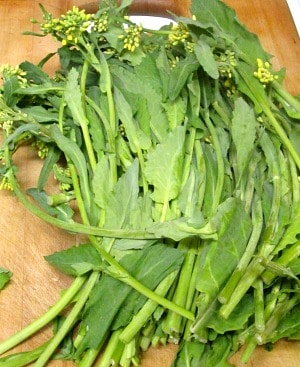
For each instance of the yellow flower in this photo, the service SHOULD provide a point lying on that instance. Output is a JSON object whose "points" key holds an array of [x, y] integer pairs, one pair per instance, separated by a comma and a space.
{"points": [[263, 73]]}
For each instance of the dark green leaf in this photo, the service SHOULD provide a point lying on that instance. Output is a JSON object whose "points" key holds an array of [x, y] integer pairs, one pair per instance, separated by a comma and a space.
{"points": [[206, 58], [110, 296], [222, 256], [73, 152], [243, 129], [52, 157], [237, 320], [222, 20], [77, 260], [41, 114], [180, 75], [189, 352]]}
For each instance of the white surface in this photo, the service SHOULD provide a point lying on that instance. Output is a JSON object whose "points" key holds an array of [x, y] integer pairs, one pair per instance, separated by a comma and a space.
{"points": [[294, 6], [151, 22]]}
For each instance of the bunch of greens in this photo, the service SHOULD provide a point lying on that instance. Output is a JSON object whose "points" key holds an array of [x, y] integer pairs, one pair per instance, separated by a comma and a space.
{"points": [[179, 148]]}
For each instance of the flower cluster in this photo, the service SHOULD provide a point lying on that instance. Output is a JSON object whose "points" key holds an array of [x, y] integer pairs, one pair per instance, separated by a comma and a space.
{"points": [[8, 71], [180, 35], [69, 27], [9, 117], [5, 184], [42, 148], [101, 24], [226, 63], [63, 176], [132, 36], [263, 73]]}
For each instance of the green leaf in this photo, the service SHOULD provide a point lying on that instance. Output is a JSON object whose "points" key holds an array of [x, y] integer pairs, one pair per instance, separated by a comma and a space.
{"points": [[176, 111], [220, 257], [41, 114], [101, 183], [243, 133], [289, 324], [34, 73], [10, 87], [77, 260], [180, 75], [74, 153], [237, 320], [218, 353], [73, 98], [222, 19], [52, 157], [189, 352], [138, 140], [181, 228], [206, 58], [5, 276], [163, 167], [123, 199], [156, 262], [111, 297], [291, 234]]}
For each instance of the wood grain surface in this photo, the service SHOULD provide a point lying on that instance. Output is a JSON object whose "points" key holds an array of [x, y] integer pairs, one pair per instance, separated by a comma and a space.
{"points": [[24, 239]]}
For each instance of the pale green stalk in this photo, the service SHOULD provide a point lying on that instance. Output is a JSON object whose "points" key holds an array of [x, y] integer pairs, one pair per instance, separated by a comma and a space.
{"points": [[46, 318]]}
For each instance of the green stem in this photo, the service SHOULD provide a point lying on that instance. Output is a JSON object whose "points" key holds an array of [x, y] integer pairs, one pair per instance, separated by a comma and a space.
{"points": [[120, 273], [248, 351], [69, 322], [257, 220], [172, 324], [107, 127], [259, 305], [112, 346], [287, 97], [89, 358], [140, 319], [280, 311], [290, 254], [46, 318], [23, 358], [283, 137], [253, 271], [262, 99], [84, 124]]}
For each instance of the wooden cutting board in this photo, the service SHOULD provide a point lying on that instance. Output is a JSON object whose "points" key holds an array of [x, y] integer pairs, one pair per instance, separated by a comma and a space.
{"points": [[24, 240]]}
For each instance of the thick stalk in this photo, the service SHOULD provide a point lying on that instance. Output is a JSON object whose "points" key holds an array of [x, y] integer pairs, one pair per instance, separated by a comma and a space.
{"points": [[84, 124], [172, 324], [264, 103], [69, 322], [257, 220], [259, 306], [140, 319], [111, 347], [23, 358], [46, 318]]}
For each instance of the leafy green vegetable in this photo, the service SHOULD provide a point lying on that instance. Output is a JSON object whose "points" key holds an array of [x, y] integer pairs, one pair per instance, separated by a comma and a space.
{"points": [[175, 153]]}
